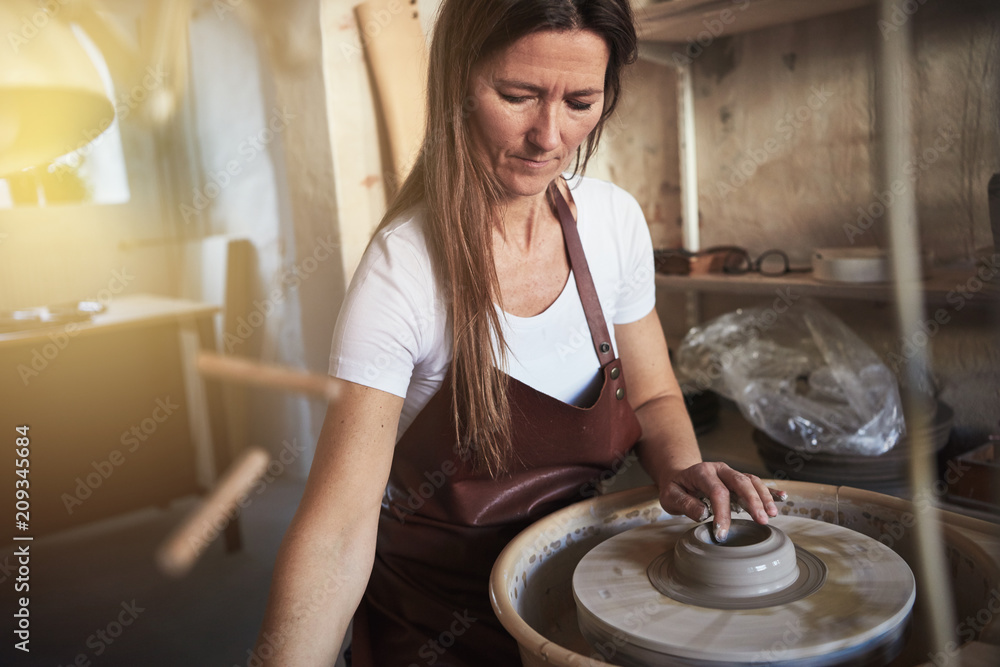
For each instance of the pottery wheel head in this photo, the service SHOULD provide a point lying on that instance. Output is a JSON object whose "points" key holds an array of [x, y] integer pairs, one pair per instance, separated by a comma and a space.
{"points": [[757, 567], [797, 592]]}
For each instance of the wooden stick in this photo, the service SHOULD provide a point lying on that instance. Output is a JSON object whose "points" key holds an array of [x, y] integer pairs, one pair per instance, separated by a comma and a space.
{"points": [[189, 540], [246, 371], [894, 93]]}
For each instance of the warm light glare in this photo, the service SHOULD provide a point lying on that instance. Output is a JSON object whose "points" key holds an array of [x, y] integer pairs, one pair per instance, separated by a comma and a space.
{"points": [[53, 99]]}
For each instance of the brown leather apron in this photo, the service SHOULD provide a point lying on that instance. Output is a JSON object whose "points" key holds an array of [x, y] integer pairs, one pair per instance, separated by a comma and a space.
{"points": [[443, 525]]}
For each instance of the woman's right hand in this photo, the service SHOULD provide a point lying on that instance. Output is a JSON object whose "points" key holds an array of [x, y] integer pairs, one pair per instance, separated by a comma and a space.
{"points": [[326, 555], [713, 488]]}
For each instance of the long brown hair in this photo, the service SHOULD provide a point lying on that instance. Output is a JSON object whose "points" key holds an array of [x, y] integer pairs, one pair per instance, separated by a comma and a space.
{"points": [[463, 198]]}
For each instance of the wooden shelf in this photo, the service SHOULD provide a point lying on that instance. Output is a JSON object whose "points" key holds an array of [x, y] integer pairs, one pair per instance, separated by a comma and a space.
{"points": [[683, 20], [937, 287]]}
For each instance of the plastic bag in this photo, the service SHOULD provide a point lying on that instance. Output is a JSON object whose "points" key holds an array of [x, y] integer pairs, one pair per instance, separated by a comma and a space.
{"points": [[801, 376]]}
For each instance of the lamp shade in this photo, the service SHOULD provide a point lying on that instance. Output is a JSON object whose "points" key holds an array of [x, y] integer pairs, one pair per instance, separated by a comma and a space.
{"points": [[52, 100]]}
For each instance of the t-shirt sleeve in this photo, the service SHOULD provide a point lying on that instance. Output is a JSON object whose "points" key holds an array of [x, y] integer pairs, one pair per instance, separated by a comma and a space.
{"points": [[379, 336], [636, 290]]}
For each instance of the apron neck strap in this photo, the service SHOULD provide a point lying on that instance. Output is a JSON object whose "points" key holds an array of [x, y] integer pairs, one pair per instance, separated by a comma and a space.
{"points": [[584, 281]]}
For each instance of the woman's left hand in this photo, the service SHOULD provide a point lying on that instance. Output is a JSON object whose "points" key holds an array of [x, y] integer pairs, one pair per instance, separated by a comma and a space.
{"points": [[722, 486]]}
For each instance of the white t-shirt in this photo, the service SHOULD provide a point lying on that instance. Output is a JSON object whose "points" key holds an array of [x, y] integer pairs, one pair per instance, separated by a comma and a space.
{"points": [[392, 333]]}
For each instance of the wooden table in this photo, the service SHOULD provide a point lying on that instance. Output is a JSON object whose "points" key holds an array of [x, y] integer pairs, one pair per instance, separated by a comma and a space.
{"points": [[119, 420]]}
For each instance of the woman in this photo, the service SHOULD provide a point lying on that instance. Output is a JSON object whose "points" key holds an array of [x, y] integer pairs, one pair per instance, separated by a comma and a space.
{"points": [[479, 265]]}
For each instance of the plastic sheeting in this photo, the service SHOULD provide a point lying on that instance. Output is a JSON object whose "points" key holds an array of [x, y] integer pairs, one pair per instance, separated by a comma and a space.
{"points": [[802, 376]]}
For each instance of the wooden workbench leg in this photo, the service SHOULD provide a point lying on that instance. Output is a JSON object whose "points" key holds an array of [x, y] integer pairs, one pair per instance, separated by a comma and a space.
{"points": [[221, 447]]}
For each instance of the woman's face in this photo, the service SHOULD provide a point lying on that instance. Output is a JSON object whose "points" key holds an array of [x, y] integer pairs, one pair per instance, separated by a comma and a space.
{"points": [[536, 101]]}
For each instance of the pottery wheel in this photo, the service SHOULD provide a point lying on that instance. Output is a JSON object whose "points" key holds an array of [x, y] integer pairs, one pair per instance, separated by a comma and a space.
{"points": [[797, 591]]}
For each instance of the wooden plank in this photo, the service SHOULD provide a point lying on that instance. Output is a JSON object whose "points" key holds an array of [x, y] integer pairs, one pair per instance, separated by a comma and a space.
{"points": [[214, 401], [360, 169], [936, 288], [218, 272], [700, 21], [397, 55]]}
